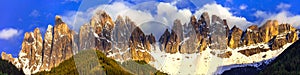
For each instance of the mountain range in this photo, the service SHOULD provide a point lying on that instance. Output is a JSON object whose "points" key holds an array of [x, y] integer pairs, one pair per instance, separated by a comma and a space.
{"points": [[205, 45]]}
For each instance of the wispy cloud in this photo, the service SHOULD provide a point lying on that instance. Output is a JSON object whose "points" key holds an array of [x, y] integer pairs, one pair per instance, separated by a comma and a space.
{"points": [[243, 7], [34, 13], [283, 6], [282, 17], [9, 33]]}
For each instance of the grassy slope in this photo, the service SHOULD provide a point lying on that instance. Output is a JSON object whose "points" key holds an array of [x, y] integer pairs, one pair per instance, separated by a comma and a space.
{"points": [[287, 63], [88, 66], [7, 68]]}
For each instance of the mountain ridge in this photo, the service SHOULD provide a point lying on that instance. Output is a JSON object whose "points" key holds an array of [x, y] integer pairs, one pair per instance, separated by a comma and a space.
{"points": [[123, 40]]}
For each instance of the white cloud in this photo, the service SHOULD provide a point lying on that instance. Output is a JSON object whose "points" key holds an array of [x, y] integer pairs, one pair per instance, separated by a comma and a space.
{"points": [[76, 19], [167, 13], [260, 14], [286, 17], [283, 6], [8, 33], [281, 17], [223, 12], [34, 13], [243, 7]]}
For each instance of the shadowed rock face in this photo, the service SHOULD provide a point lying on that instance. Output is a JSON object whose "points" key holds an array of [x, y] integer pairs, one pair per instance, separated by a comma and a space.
{"points": [[123, 40], [47, 48], [218, 34], [251, 36], [139, 45]]}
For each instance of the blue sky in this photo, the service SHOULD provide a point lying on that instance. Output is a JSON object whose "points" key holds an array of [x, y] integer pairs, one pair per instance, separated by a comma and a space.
{"points": [[19, 16]]}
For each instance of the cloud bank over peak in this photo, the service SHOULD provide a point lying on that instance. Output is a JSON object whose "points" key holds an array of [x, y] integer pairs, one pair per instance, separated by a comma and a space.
{"points": [[282, 17], [223, 12], [164, 13]]}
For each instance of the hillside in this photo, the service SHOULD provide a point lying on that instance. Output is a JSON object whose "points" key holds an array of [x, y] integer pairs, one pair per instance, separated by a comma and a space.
{"points": [[105, 65], [287, 63], [7, 68]]}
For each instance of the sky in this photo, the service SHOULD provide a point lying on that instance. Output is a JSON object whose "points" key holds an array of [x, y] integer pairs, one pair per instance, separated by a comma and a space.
{"points": [[19, 16]]}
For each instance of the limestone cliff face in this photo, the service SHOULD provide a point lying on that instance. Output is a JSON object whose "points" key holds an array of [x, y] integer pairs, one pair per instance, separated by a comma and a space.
{"points": [[62, 43], [268, 30], [191, 40], [7, 57], [103, 29], [251, 36], [86, 37], [139, 46], [47, 48], [218, 33], [235, 37], [30, 56]]}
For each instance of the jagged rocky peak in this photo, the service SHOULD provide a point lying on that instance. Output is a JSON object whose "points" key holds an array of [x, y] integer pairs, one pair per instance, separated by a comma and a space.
{"points": [[30, 56], [62, 48], [151, 38], [120, 32], [97, 34], [86, 37], [140, 46], [251, 36], [48, 37], [235, 37], [169, 42], [178, 28], [7, 57], [269, 30], [218, 33], [130, 24], [104, 20], [286, 34], [205, 18], [226, 27], [173, 43], [164, 38], [191, 32], [58, 19], [285, 28], [194, 23]]}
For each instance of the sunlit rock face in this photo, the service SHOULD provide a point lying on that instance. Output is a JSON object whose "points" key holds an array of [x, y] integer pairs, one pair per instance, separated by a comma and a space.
{"points": [[190, 45], [48, 39], [251, 36], [38, 54], [235, 37], [62, 43]]}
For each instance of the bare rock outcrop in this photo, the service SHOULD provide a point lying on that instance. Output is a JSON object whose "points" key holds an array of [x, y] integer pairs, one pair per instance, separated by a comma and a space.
{"points": [[235, 37]]}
